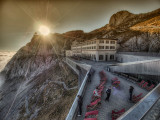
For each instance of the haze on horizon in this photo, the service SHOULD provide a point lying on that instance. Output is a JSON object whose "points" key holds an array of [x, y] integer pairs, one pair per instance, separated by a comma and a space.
{"points": [[20, 19]]}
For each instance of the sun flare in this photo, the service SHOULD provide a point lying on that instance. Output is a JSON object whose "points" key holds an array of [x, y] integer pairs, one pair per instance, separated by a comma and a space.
{"points": [[44, 30]]}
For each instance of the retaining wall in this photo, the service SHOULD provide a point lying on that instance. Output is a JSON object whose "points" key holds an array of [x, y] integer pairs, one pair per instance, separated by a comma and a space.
{"points": [[75, 66]]}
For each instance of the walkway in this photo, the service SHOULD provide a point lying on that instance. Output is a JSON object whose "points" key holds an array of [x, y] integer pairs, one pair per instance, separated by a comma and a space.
{"points": [[118, 99]]}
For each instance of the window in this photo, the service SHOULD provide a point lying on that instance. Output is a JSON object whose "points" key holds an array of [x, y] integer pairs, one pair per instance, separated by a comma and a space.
{"points": [[111, 57], [107, 47], [113, 42], [100, 57], [101, 47], [101, 41], [93, 42], [112, 47], [107, 41], [94, 47]]}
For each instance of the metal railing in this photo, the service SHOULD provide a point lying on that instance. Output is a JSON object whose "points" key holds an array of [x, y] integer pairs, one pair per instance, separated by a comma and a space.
{"points": [[152, 54], [138, 111], [73, 110]]}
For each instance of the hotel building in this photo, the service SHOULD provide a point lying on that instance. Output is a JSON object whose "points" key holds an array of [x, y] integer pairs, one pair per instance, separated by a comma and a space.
{"points": [[96, 49]]}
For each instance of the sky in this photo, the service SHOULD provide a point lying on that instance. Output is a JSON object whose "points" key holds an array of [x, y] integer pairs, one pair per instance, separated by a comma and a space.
{"points": [[20, 19]]}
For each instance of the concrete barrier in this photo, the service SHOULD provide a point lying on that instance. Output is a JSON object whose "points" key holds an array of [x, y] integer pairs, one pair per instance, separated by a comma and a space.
{"points": [[138, 111], [73, 110]]}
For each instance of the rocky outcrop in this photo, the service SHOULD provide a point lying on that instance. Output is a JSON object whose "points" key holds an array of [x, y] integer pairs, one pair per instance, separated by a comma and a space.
{"points": [[130, 30], [152, 25], [144, 42], [119, 18], [30, 90]]}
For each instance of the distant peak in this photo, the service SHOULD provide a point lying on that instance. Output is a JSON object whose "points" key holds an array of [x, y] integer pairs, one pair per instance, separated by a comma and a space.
{"points": [[119, 17]]}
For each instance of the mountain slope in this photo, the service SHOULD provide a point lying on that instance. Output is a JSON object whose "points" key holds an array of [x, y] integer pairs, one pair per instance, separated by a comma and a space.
{"points": [[152, 25], [35, 78], [131, 39]]}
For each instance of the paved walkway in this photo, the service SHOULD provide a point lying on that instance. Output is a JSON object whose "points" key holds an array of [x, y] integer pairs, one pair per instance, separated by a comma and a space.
{"points": [[118, 99]]}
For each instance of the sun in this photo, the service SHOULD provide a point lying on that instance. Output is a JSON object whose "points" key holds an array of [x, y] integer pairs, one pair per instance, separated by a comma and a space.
{"points": [[44, 30]]}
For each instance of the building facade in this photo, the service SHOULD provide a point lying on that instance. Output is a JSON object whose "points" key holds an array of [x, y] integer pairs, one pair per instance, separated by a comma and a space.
{"points": [[96, 49], [69, 53]]}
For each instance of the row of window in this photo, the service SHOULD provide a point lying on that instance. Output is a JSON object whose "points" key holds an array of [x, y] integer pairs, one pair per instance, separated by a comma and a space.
{"points": [[107, 47], [107, 42], [91, 47], [94, 47], [101, 57], [101, 41], [91, 42]]}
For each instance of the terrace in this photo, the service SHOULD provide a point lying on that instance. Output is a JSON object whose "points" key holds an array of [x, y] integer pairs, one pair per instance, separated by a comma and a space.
{"points": [[119, 97]]}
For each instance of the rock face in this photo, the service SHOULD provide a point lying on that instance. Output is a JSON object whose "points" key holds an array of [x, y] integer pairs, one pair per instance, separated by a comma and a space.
{"points": [[133, 30], [119, 18], [143, 43], [152, 25], [37, 82]]}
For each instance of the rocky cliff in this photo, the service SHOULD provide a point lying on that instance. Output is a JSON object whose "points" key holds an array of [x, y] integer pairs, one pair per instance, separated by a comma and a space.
{"points": [[38, 84], [120, 17]]}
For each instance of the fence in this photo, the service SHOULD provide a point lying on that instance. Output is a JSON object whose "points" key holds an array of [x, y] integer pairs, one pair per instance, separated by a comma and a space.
{"points": [[138, 111], [73, 110], [152, 54]]}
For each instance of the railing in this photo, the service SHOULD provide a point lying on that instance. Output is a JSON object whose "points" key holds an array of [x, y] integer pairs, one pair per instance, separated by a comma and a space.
{"points": [[138, 111], [152, 54], [73, 110]]}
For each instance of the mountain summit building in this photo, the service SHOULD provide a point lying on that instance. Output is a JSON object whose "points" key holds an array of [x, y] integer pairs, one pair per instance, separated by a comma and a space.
{"points": [[101, 49]]}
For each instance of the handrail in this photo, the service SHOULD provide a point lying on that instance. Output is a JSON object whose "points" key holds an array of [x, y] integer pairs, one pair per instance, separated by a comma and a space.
{"points": [[150, 54], [74, 106], [141, 108]]}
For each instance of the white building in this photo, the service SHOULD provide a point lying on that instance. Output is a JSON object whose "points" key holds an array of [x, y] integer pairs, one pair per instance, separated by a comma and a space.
{"points": [[96, 49], [69, 53]]}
